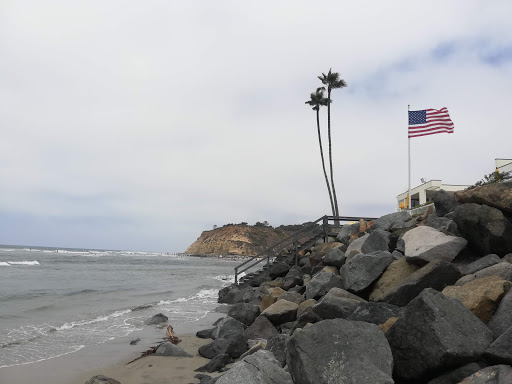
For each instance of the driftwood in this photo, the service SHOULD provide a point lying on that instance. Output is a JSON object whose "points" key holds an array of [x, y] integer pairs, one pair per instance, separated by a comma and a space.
{"points": [[171, 337]]}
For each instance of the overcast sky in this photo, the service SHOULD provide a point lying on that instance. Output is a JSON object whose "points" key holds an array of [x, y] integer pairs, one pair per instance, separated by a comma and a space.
{"points": [[139, 124]]}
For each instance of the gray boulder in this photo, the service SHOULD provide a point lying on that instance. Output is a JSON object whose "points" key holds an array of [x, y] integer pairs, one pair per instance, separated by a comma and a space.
{"points": [[293, 278], [376, 313], [502, 318], [227, 325], [442, 224], [278, 270], [503, 270], [340, 351], [508, 258], [433, 335], [425, 244], [486, 228], [336, 304], [100, 379], [262, 328], [169, 349], [500, 351], [444, 202], [292, 296], [355, 247], [497, 195], [215, 364], [437, 275], [359, 273], [277, 345], [379, 240], [391, 221], [233, 344], [497, 374], [346, 231], [480, 264], [455, 376], [282, 311], [244, 312], [335, 257], [258, 368], [157, 319], [205, 333], [234, 294], [322, 283]]}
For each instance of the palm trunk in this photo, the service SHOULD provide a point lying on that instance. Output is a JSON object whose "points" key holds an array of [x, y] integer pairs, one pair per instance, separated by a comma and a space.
{"points": [[323, 161], [337, 212]]}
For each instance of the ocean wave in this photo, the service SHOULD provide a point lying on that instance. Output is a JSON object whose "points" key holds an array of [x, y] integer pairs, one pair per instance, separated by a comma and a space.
{"points": [[4, 264], [75, 324], [203, 294], [34, 262], [71, 350]]}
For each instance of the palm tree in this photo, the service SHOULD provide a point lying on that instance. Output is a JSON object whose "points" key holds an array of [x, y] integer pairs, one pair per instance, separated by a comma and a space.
{"points": [[332, 81], [316, 100]]}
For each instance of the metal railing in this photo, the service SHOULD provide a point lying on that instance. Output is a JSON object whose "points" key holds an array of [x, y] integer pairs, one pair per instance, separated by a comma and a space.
{"points": [[297, 238]]}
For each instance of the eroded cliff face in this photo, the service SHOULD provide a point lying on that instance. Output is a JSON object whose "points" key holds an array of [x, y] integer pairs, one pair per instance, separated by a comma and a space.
{"points": [[236, 240]]}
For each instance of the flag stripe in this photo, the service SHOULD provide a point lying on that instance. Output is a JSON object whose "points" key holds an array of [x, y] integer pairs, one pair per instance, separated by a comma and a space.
{"points": [[429, 122]]}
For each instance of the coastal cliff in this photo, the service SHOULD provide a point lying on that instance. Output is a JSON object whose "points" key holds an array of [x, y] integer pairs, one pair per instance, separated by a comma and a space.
{"points": [[237, 239]]}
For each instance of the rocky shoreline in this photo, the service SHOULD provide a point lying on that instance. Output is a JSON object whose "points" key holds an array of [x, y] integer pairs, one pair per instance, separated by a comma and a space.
{"points": [[401, 300]]}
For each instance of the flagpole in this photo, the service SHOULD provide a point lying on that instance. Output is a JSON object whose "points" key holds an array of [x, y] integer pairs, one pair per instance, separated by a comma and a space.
{"points": [[409, 202]]}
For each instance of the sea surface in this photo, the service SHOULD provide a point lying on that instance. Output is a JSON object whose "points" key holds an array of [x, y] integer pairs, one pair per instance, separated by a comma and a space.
{"points": [[55, 302]]}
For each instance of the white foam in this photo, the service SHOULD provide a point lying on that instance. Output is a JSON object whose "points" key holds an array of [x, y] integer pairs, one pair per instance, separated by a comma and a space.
{"points": [[4, 264], [199, 296], [75, 324], [73, 350], [34, 262]]}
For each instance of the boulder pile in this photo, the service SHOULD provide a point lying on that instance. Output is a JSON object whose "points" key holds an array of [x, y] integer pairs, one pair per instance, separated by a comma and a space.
{"points": [[401, 300]]}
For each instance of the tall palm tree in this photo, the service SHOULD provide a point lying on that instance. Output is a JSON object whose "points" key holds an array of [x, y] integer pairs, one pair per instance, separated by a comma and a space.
{"points": [[316, 100], [331, 81]]}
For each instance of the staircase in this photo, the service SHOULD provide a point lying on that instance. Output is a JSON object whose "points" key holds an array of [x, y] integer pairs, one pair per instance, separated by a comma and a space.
{"points": [[287, 250]]}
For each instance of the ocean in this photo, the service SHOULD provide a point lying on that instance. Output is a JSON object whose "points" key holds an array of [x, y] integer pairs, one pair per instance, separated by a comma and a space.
{"points": [[55, 302]]}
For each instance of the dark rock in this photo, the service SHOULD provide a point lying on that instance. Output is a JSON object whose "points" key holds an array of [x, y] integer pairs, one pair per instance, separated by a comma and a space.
{"points": [[486, 229], [277, 345], [322, 283], [436, 333], [346, 231], [216, 364], [244, 312], [456, 376], [281, 311], [500, 351], [376, 313], [134, 342], [204, 379], [157, 319], [262, 328], [503, 270], [278, 270], [361, 271], [258, 368], [497, 374], [497, 195], [379, 240], [397, 254], [169, 349], [437, 275], [287, 328], [335, 257], [336, 304], [391, 221], [442, 224], [228, 294], [227, 325], [233, 344], [444, 202], [294, 297], [299, 289], [205, 333], [355, 246], [320, 251], [508, 258], [246, 295], [294, 277], [480, 264], [502, 318], [308, 316], [100, 379], [340, 351]]}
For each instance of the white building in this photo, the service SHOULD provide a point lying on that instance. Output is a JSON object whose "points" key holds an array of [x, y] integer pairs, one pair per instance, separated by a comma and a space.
{"points": [[504, 165]]}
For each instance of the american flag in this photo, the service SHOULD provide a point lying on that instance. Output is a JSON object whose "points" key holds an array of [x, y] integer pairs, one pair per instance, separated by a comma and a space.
{"points": [[429, 122]]}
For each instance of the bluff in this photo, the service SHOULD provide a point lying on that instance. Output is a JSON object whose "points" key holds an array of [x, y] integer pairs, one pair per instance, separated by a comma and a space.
{"points": [[237, 239]]}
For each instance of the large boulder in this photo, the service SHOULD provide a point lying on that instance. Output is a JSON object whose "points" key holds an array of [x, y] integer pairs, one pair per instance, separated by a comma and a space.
{"points": [[442, 224], [437, 275], [169, 349], [477, 265], [425, 244], [244, 312], [282, 311], [486, 228], [100, 379], [456, 376], [497, 374], [293, 278], [502, 319], [359, 273], [500, 351], [228, 295], [444, 202], [355, 247], [309, 303], [277, 345], [335, 257], [258, 368], [481, 296], [340, 351], [503, 270], [436, 333], [391, 221], [278, 270], [320, 251], [379, 240], [322, 283], [396, 272], [157, 319], [262, 328], [233, 344], [292, 296], [375, 313], [494, 195], [337, 303], [346, 232], [215, 364], [227, 325]]}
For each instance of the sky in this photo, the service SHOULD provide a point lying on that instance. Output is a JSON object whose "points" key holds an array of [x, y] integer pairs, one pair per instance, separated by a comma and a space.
{"points": [[139, 124]]}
